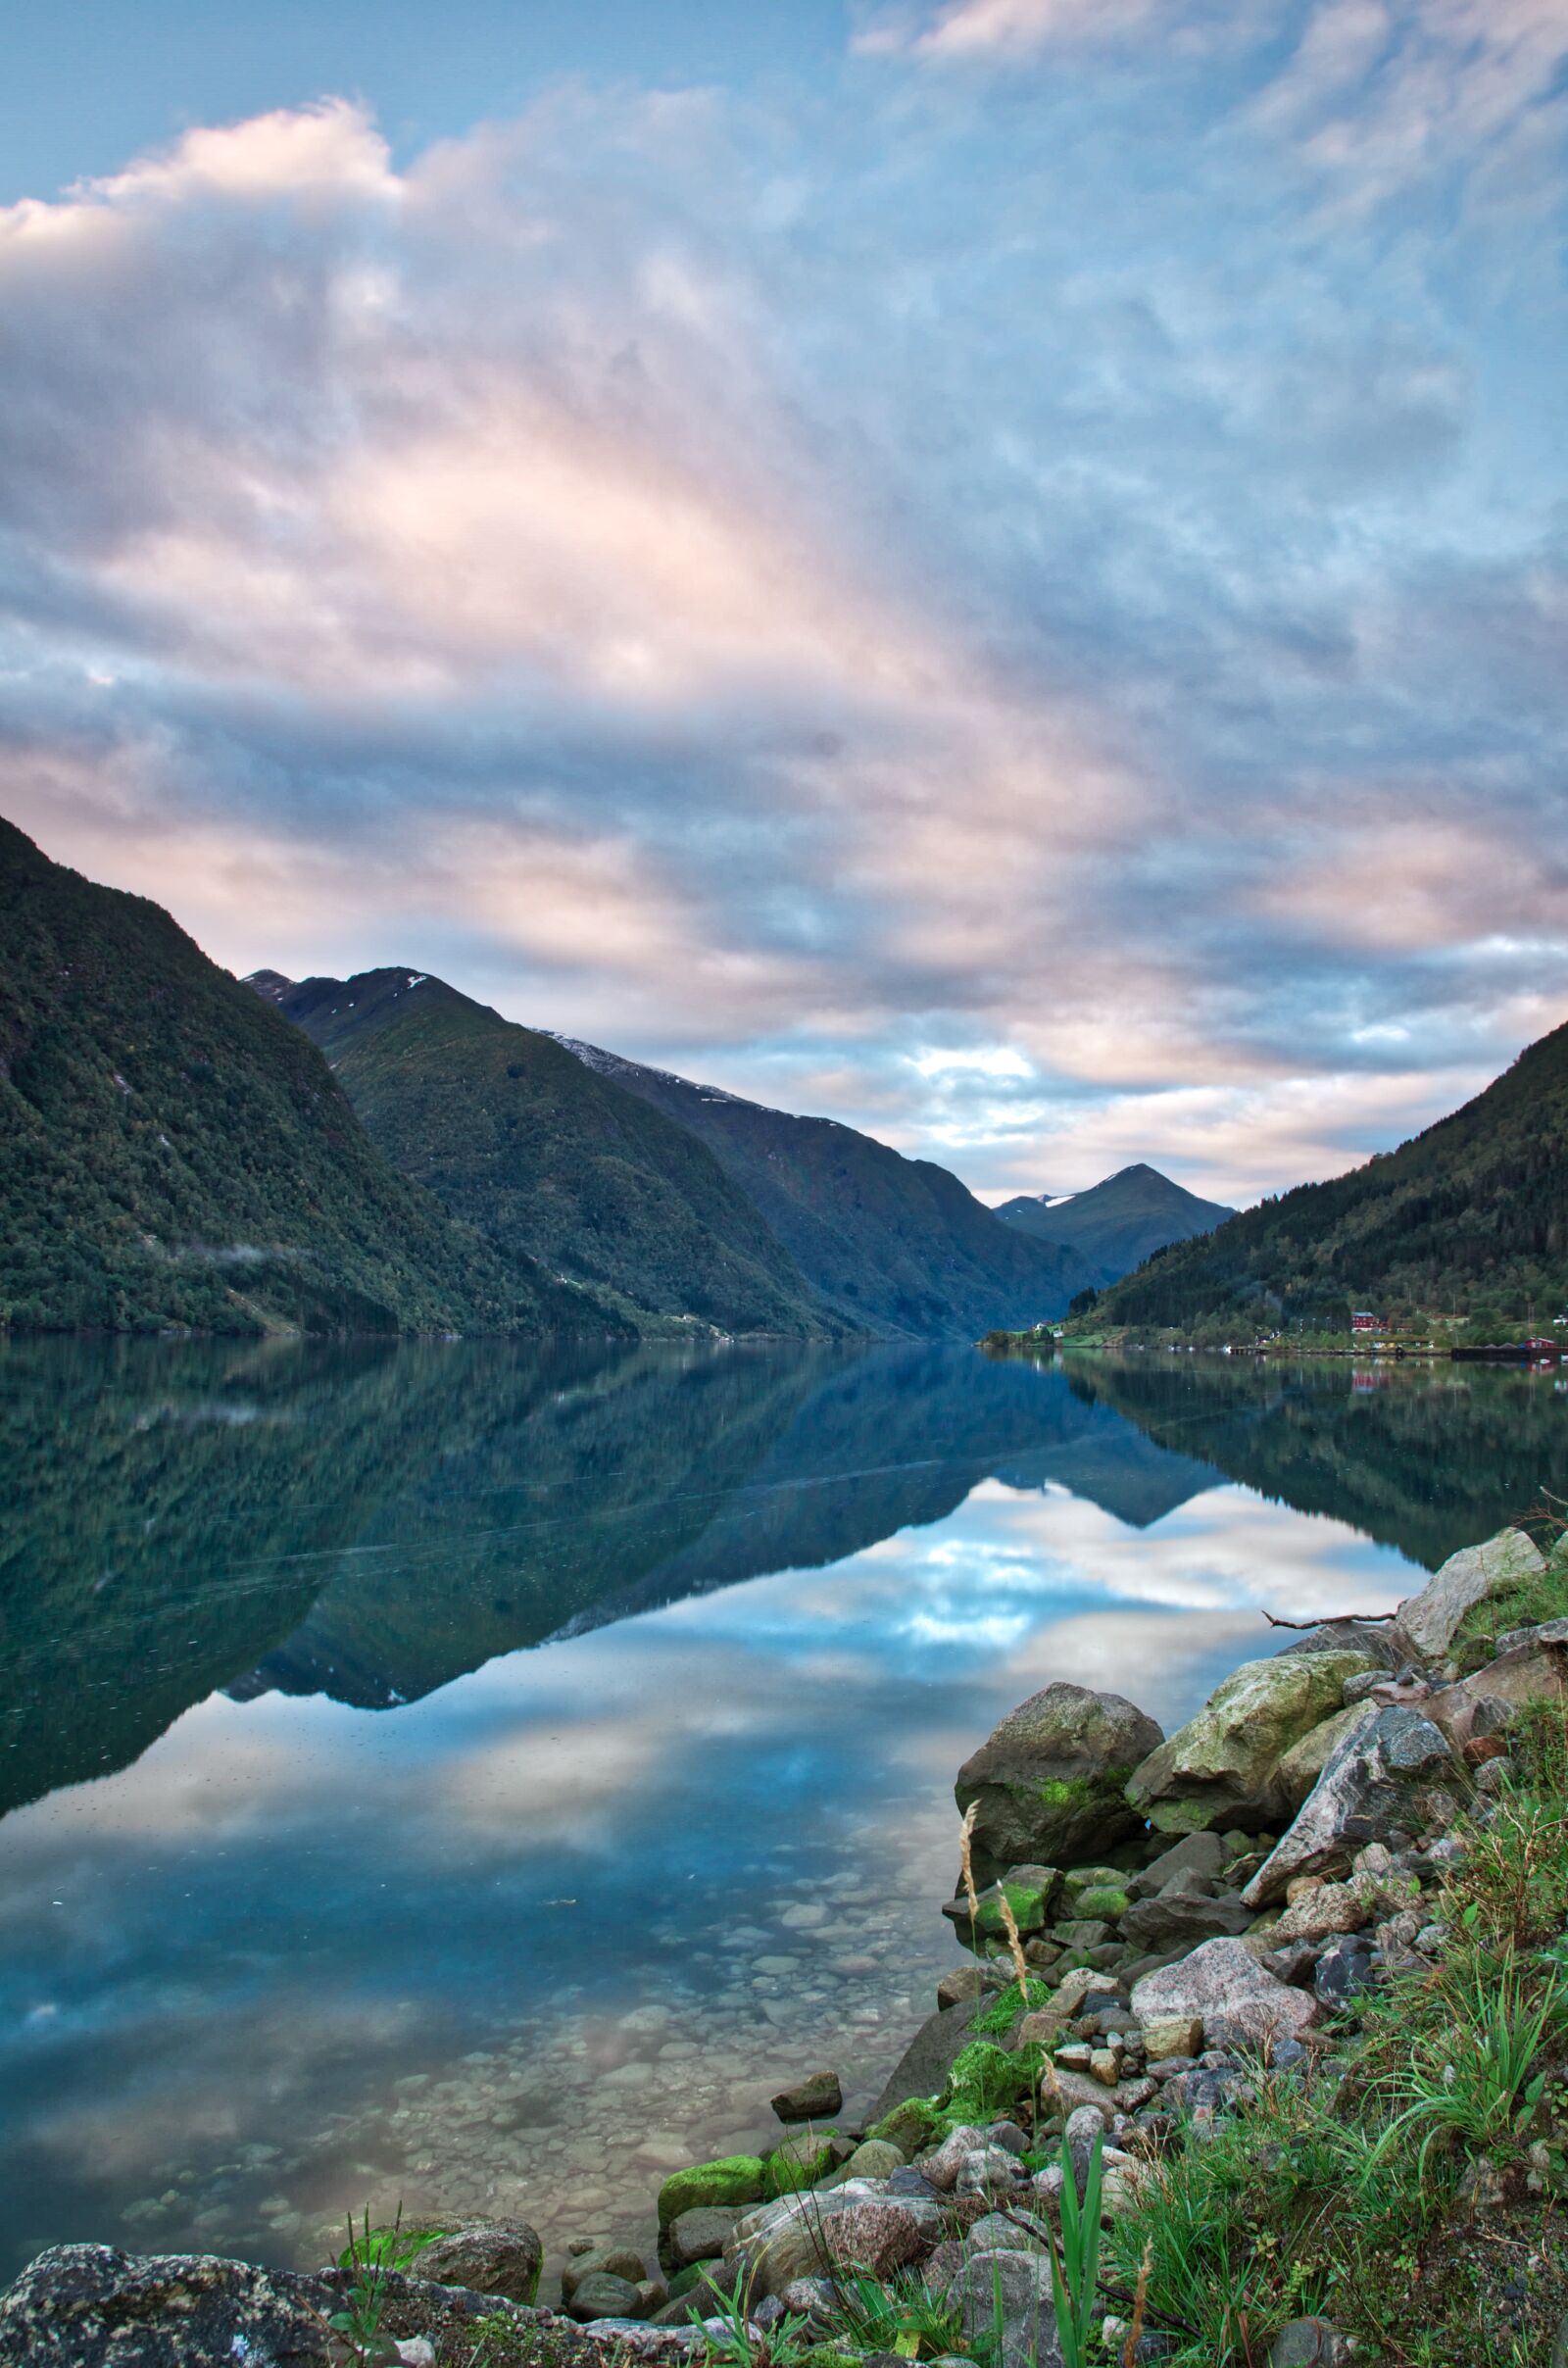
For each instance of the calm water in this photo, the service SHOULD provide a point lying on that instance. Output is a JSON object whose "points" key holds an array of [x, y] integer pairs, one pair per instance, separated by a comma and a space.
{"points": [[474, 1777]]}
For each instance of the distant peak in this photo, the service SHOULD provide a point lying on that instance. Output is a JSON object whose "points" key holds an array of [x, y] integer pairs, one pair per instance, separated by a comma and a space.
{"points": [[268, 983]]}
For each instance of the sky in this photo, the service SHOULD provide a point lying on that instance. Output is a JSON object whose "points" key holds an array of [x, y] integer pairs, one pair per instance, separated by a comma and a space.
{"points": [[997, 569]]}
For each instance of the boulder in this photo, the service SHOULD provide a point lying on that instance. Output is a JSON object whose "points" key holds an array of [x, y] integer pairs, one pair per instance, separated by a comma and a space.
{"points": [[1388, 1770], [93, 2307], [816, 2097], [801, 2161], [1222, 1986], [1428, 1620], [732, 2179], [1050, 1780], [1185, 1911], [1303, 1764], [487, 2257], [1171, 2035], [608, 2260], [922, 2069], [884, 2235], [1534, 1668], [1222, 1768], [701, 2235], [1202, 1854], [1009, 2293], [605, 2296], [874, 2158], [1328, 1908]]}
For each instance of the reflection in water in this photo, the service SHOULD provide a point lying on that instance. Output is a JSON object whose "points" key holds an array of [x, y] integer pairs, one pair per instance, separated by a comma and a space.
{"points": [[367, 1902]]}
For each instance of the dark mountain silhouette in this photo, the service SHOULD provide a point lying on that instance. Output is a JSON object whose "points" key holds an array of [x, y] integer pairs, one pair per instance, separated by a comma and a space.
{"points": [[548, 1159], [178, 1154], [898, 1247], [1472, 1214], [1119, 1222]]}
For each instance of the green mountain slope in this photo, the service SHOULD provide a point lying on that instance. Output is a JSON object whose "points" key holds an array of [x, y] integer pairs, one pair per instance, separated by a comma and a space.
{"points": [[1116, 1225], [178, 1154], [1468, 1216], [545, 1156], [897, 1245]]}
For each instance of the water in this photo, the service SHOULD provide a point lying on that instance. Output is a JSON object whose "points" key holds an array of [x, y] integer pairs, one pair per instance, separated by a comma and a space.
{"points": [[479, 1777]]}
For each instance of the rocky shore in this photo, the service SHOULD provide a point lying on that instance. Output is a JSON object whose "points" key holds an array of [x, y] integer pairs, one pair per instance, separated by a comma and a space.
{"points": [[1177, 1949]]}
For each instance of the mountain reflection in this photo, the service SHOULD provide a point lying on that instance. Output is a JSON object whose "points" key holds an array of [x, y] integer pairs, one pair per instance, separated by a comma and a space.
{"points": [[370, 1521]]}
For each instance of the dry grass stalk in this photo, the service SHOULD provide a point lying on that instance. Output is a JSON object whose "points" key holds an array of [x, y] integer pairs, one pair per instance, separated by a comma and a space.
{"points": [[965, 1845], [1009, 1924], [1129, 2352]]}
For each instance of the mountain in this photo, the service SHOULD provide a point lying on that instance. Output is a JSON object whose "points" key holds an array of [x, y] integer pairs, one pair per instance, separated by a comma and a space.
{"points": [[897, 1245], [1116, 1225], [176, 1154], [548, 1158], [1470, 1216]]}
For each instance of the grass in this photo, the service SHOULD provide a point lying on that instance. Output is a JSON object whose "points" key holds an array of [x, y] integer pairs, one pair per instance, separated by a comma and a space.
{"points": [[1355, 2190]]}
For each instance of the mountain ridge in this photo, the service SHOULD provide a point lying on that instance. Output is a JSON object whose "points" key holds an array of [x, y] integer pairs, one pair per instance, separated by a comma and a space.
{"points": [[182, 1157], [1118, 1222], [547, 1159], [898, 1247], [1469, 1216]]}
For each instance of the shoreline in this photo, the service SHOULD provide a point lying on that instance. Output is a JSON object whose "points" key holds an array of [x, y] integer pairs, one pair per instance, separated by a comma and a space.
{"points": [[1155, 1926]]}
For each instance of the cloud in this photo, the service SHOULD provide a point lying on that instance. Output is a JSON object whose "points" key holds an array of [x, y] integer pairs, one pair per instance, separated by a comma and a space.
{"points": [[980, 28], [1033, 627]]}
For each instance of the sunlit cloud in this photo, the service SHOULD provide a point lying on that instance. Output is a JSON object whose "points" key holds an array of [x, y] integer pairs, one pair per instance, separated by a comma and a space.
{"points": [[1033, 628]]}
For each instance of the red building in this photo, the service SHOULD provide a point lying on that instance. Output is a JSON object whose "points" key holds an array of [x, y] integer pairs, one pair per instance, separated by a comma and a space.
{"points": [[1361, 1321]]}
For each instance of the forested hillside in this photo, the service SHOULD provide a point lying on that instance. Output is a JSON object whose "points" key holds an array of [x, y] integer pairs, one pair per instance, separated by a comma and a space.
{"points": [[547, 1157], [1469, 1217], [1118, 1222], [176, 1154], [897, 1246]]}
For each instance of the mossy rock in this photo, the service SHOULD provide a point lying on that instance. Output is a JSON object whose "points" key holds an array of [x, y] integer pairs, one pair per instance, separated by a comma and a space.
{"points": [[1222, 1768], [1107, 1902], [1028, 1903], [911, 2125], [800, 2162], [730, 2179], [1050, 1780], [986, 2079]]}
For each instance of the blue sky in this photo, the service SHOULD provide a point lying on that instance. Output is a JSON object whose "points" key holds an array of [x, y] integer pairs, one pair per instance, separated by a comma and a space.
{"points": [[995, 569]]}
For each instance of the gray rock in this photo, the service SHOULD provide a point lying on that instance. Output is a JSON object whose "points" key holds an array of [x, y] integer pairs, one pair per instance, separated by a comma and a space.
{"points": [[1308, 2343], [606, 2260], [923, 2067], [1222, 1985], [1388, 1771], [487, 2257], [816, 2097], [1429, 1620], [93, 2307], [1050, 1780], [1222, 1768], [1202, 1854], [701, 2235], [1185, 1911], [995, 2233], [1535, 1669], [884, 2235], [1010, 2293], [604, 2295]]}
